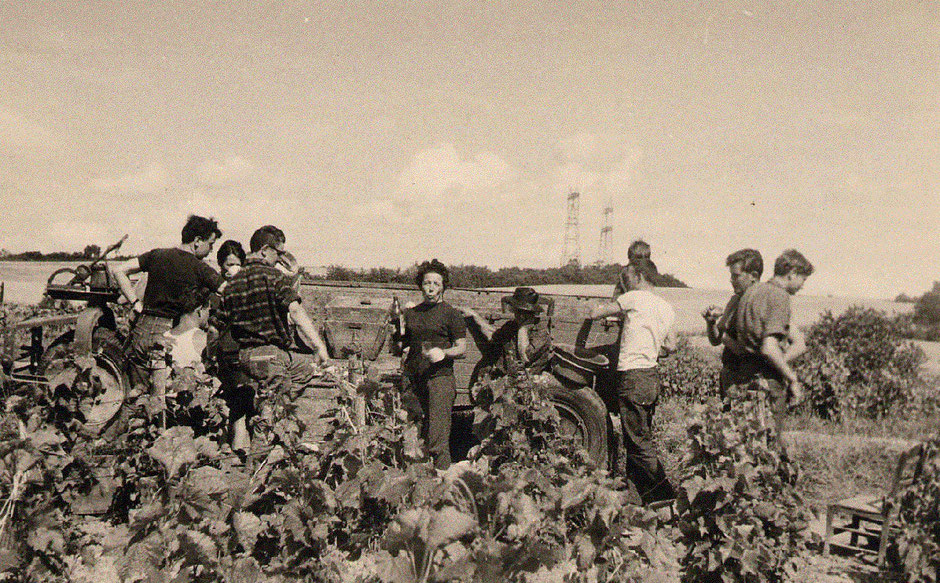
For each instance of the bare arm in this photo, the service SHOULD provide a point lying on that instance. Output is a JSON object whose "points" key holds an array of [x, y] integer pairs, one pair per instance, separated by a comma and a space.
{"points": [[712, 314], [121, 273], [797, 344], [605, 310], [770, 349], [484, 326], [303, 321], [458, 350]]}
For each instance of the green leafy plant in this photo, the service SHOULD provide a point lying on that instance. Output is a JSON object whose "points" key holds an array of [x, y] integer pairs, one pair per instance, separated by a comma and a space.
{"points": [[689, 373], [919, 520], [741, 518], [858, 363]]}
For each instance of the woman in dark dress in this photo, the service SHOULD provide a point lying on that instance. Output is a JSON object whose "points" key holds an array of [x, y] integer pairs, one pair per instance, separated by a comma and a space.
{"points": [[434, 336]]}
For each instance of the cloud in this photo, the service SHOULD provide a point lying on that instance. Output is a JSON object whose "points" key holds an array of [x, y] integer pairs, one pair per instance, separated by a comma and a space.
{"points": [[435, 171], [597, 151], [231, 170], [151, 180], [20, 135]]}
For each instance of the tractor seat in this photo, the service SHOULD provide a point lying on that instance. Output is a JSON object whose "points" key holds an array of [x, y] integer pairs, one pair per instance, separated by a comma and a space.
{"points": [[578, 365]]}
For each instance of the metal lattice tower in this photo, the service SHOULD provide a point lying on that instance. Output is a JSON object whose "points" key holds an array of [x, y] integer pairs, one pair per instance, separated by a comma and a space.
{"points": [[572, 249], [603, 248]]}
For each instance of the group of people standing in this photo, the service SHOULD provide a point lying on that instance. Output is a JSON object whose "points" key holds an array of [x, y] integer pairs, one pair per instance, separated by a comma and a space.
{"points": [[252, 314], [255, 309], [754, 329]]}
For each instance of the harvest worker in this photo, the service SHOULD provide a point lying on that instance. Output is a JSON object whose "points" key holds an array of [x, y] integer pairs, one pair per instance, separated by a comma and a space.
{"points": [[521, 344], [434, 335], [762, 327], [649, 330], [746, 267], [254, 307], [231, 258], [178, 282]]}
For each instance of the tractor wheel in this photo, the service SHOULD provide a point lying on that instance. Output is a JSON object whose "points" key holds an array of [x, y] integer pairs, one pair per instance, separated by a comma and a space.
{"points": [[99, 384], [584, 417]]}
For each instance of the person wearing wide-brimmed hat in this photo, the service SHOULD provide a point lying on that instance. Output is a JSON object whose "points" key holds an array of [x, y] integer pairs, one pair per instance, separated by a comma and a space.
{"points": [[520, 344]]}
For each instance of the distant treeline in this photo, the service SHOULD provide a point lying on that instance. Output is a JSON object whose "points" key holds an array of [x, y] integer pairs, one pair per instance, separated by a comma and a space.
{"points": [[923, 323], [90, 252], [471, 276]]}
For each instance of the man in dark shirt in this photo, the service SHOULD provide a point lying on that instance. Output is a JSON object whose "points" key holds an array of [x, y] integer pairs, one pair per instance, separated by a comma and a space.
{"points": [[178, 282], [746, 267], [254, 309]]}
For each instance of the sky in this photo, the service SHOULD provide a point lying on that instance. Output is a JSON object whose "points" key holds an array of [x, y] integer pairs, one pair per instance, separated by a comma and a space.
{"points": [[387, 133]]}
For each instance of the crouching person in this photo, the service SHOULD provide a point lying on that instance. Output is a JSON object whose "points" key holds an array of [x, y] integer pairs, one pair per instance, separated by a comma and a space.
{"points": [[521, 345], [254, 308]]}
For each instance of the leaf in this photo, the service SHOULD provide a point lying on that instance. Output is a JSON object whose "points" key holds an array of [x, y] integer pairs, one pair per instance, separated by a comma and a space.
{"points": [[245, 570], [202, 546], [174, 449], [248, 527], [408, 527], [412, 444], [395, 568], [447, 525], [206, 447], [45, 540]]}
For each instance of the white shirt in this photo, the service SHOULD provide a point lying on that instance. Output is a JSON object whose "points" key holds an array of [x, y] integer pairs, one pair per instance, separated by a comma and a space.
{"points": [[648, 319]]}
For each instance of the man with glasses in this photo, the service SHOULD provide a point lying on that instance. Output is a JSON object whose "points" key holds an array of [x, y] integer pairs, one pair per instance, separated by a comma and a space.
{"points": [[254, 308], [178, 282]]}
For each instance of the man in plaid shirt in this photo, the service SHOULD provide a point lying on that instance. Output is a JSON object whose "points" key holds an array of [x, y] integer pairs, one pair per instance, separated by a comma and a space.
{"points": [[254, 307]]}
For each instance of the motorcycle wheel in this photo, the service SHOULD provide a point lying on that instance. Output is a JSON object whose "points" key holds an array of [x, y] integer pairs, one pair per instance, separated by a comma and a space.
{"points": [[100, 384]]}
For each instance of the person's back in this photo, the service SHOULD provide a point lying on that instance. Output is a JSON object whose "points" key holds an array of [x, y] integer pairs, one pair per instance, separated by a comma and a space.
{"points": [[255, 306], [178, 282], [649, 320], [763, 331], [763, 311]]}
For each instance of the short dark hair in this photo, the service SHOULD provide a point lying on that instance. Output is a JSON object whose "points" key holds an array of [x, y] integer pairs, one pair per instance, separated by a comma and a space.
{"points": [[227, 248], [201, 227], [750, 260], [792, 260], [266, 236], [432, 266], [645, 268], [639, 249]]}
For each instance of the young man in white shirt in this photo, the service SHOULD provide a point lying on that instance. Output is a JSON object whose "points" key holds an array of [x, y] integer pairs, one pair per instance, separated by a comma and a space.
{"points": [[649, 330]]}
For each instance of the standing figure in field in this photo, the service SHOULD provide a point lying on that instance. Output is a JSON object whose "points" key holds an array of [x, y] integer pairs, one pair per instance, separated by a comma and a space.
{"points": [[746, 267], [520, 345], [178, 282], [434, 335], [254, 309], [762, 328], [649, 330], [231, 258]]}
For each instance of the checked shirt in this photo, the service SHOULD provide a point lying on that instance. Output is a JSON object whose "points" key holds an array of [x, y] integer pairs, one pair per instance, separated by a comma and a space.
{"points": [[254, 307]]}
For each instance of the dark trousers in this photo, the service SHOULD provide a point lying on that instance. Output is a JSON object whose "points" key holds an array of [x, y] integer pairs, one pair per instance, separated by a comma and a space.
{"points": [[638, 391], [435, 398]]}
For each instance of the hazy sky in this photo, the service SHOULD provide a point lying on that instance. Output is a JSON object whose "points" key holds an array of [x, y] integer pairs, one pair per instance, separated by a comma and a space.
{"points": [[387, 133]]}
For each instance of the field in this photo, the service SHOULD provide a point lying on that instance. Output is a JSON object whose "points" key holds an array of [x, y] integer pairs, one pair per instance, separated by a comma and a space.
{"points": [[361, 504]]}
